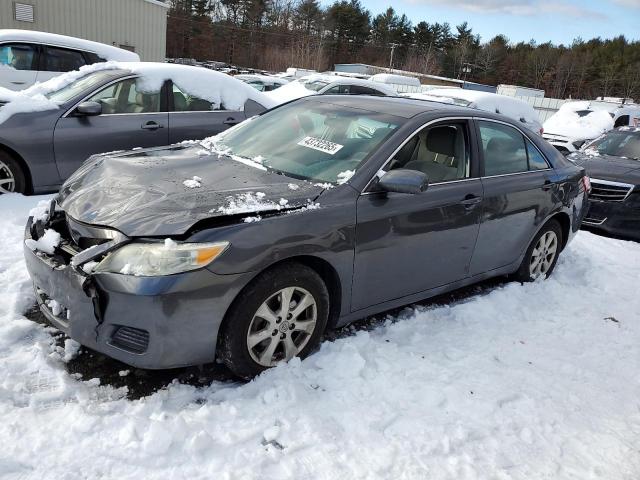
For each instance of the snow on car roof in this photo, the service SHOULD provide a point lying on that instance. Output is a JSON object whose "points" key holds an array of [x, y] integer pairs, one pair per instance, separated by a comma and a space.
{"points": [[262, 78], [397, 79], [215, 87], [103, 50], [569, 123], [489, 102]]}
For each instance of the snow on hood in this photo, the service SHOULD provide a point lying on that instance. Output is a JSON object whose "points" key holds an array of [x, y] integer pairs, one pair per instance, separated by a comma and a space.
{"points": [[142, 192], [567, 122], [215, 87]]}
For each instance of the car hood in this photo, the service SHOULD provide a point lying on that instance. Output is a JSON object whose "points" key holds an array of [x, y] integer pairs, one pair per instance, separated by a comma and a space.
{"points": [[608, 167], [153, 192]]}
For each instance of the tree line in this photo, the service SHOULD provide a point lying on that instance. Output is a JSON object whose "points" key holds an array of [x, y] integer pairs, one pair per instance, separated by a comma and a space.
{"points": [[276, 34]]}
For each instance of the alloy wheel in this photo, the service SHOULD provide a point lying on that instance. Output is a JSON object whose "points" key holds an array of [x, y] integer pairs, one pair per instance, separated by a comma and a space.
{"points": [[282, 326], [7, 180], [543, 255]]}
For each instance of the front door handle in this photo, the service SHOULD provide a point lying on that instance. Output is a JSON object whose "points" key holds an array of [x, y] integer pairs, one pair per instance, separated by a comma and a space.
{"points": [[470, 201], [547, 185], [231, 121], [18, 83], [151, 126]]}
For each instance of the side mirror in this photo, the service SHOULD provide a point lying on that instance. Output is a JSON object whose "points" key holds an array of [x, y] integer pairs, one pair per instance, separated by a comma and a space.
{"points": [[403, 180], [89, 109]]}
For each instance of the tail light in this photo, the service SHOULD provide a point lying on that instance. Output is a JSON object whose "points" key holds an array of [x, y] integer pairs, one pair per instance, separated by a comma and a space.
{"points": [[586, 183]]}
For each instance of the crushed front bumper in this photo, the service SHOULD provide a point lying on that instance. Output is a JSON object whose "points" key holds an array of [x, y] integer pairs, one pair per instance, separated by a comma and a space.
{"points": [[146, 322]]}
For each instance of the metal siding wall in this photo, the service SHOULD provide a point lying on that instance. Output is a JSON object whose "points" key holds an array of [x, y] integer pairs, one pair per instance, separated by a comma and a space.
{"points": [[137, 23]]}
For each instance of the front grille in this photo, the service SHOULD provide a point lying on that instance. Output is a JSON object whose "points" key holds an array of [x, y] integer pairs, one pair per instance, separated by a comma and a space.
{"points": [[134, 340], [607, 191], [593, 219]]}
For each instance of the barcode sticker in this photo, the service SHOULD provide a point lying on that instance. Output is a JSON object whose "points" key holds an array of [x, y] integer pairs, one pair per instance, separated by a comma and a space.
{"points": [[321, 145]]}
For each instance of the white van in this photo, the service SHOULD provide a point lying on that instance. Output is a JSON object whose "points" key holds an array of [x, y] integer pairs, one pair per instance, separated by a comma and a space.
{"points": [[27, 57], [580, 121]]}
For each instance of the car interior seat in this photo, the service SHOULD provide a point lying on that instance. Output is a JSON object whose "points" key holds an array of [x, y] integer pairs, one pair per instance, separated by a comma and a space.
{"points": [[436, 154]]}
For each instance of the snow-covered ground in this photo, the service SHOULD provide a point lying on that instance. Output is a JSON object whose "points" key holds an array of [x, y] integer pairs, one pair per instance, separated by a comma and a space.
{"points": [[517, 382]]}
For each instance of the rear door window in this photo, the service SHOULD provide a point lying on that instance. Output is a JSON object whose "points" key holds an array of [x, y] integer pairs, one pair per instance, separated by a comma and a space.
{"points": [[62, 59], [503, 149], [185, 102], [20, 56]]}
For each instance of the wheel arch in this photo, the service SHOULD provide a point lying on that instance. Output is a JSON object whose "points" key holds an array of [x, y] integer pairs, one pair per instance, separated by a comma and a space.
{"points": [[322, 267], [23, 165], [565, 224]]}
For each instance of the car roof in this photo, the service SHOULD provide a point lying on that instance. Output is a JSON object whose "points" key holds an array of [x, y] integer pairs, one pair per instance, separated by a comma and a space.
{"points": [[108, 52], [398, 106]]}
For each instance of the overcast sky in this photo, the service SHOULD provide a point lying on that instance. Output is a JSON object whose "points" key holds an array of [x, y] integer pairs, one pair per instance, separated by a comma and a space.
{"points": [[521, 20]]}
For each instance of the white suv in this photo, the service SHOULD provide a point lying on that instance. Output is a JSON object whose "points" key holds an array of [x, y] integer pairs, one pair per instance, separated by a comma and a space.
{"points": [[27, 57]]}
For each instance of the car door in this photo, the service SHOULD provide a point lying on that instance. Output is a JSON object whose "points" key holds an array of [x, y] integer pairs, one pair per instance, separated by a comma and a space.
{"points": [[57, 60], [130, 118], [193, 118], [18, 65], [411, 243], [518, 188]]}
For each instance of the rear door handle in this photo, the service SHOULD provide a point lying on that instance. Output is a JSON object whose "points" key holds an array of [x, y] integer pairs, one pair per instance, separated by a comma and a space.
{"points": [[470, 201], [151, 126], [18, 83], [231, 121]]}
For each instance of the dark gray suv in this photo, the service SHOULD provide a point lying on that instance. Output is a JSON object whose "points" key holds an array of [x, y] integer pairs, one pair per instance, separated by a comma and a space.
{"points": [[322, 211]]}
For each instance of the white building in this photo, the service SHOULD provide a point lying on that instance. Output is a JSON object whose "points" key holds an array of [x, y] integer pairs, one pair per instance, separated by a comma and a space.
{"points": [[136, 25]]}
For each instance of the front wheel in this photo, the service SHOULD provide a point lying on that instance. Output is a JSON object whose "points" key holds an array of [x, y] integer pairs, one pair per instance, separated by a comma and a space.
{"points": [[12, 177], [542, 254], [280, 315]]}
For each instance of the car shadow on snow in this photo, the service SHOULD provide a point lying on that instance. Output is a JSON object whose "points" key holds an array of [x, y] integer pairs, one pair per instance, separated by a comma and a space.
{"points": [[88, 364]]}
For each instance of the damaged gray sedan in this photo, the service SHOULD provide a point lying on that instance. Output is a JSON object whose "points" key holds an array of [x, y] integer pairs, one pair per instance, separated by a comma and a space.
{"points": [[246, 247]]}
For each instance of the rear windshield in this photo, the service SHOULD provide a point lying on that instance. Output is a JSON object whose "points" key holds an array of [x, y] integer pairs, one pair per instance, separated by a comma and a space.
{"points": [[619, 144], [309, 140], [77, 87]]}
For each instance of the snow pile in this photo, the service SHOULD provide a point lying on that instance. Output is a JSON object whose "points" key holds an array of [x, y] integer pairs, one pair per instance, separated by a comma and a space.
{"points": [[290, 91], [567, 122], [215, 87], [249, 202], [517, 382], [47, 243], [195, 182], [343, 177]]}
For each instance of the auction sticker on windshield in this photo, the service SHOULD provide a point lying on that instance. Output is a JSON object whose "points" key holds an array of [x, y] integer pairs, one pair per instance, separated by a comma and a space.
{"points": [[321, 145]]}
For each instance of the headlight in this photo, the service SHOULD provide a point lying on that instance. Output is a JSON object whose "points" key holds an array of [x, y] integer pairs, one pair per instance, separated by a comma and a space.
{"points": [[578, 143], [154, 259]]}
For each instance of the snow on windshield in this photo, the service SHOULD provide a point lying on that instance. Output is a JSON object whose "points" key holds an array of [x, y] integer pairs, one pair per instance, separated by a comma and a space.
{"points": [[568, 122], [290, 91], [215, 87]]}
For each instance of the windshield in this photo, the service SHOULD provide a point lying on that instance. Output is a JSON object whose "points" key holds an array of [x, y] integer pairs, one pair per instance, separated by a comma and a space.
{"points": [[77, 87], [316, 86], [618, 144], [310, 141]]}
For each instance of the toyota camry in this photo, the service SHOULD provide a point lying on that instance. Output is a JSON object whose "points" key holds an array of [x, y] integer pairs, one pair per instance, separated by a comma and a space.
{"points": [[247, 246]]}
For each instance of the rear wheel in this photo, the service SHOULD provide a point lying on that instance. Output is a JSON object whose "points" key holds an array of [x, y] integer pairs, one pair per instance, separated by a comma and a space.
{"points": [[12, 177], [542, 254], [280, 315]]}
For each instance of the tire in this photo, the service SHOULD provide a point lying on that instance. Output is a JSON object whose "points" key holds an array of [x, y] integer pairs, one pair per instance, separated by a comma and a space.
{"points": [[255, 320], [537, 263], [12, 178]]}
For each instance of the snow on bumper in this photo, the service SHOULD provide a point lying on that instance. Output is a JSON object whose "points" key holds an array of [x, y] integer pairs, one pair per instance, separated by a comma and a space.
{"points": [[146, 322]]}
